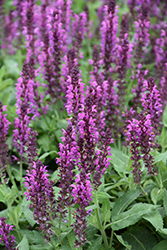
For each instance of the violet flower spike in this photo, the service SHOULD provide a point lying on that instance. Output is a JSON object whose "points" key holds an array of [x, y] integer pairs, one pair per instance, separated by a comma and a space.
{"points": [[41, 194], [82, 196], [8, 240], [151, 102], [140, 138]]}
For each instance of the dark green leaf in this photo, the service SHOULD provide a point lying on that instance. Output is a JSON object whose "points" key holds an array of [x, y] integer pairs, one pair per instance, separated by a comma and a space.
{"points": [[124, 243], [140, 238], [161, 245], [96, 244]]}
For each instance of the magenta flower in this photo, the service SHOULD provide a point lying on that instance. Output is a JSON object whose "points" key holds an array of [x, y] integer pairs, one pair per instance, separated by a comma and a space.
{"points": [[5, 238], [82, 196], [41, 194], [140, 138], [151, 102]]}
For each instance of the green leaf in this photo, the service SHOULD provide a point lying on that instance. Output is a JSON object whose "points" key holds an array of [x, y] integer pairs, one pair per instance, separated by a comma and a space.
{"points": [[16, 173], [55, 176], [106, 214], [92, 207], [157, 195], [12, 67], [160, 157], [56, 191], [44, 141], [42, 157], [103, 195], [119, 160], [154, 218], [14, 215], [124, 201], [96, 244], [39, 247], [164, 119], [131, 216], [165, 200], [2, 73], [124, 243], [163, 140], [5, 84], [33, 236], [71, 239], [62, 124], [140, 238], [161, 245], [2, 193], [65, 247], [27, 212], [23, 245]]}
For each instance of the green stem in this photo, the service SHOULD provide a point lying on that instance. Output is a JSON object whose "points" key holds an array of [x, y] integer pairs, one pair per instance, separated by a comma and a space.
{"points": [[53, 224], [13, 181], [52, 243], [111, 238], [100, 225], [21, 175], [146, 194], [69, 217], [60, 223]]}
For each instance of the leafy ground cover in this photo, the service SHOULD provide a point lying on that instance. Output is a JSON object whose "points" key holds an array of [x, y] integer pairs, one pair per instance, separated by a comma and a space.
{"points": [[83, 125]]}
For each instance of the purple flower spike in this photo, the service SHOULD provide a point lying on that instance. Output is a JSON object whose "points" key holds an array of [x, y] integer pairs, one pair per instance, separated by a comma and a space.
{"points": [[82, 196], [151, 101], [142, 40], [68, 152], [5, 238], [140, 138], [41, 194], [108, 33]]}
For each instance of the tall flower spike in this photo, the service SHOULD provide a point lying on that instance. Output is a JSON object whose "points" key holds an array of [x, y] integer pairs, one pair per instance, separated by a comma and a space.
{"points": [[140, 74], [8, 240], [23, 135], [108, 34], [140, 138], [68, 152], [41, 194], [142, 40], [82, 196], [151, 102]]}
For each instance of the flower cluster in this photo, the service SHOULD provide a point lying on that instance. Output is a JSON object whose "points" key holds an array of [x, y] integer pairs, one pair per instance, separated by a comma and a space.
{"points": [[8, 240], [82, 196], [22, 134], [151, 102], [140, 138], [41, 194], [142, 40]]}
